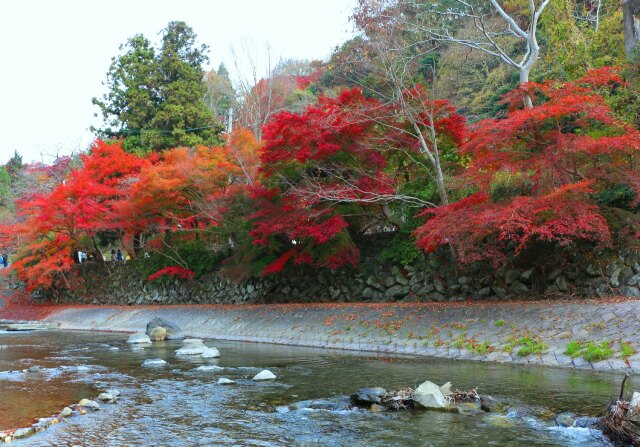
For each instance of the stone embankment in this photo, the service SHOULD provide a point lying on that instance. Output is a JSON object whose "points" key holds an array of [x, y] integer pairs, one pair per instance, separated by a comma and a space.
{"points": [[426, 280], [582, 334]]}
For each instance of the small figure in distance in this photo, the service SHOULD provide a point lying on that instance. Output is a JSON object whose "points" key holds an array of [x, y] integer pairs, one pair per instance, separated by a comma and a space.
{"points": [[119, 256], [113, 255]]}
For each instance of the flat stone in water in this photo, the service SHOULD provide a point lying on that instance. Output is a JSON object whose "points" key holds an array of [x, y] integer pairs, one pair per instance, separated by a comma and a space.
{"points": [[154, 363], [225, 381], [210, 353], [24, 432], [139, 337], [191, 351], [209, 368], [265, 375]]}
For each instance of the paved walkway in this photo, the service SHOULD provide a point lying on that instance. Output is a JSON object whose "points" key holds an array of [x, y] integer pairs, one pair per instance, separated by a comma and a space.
{"points": [[517, 332]]}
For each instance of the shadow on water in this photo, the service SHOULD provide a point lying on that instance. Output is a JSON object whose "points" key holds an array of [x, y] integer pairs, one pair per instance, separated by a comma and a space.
{"points": [[180, 406]]}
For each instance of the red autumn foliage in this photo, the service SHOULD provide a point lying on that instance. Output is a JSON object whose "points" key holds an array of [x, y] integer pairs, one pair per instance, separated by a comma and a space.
{"points": [[52, 225], [175, 271], [536, 171], [339, 154]]}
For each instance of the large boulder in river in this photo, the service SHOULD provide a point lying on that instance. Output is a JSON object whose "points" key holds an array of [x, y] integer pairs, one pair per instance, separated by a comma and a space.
{"points": [[365, 397], [139, 338], [158, 334], [429, 395], [173, 331]]}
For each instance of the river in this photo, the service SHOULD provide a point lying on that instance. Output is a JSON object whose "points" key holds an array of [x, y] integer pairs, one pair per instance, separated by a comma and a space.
{"points": [[306, 406]]}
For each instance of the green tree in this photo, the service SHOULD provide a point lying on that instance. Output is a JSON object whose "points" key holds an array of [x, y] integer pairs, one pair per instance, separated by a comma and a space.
{"points": [[6, 198], [14, 165], [155, 96], [219, 94]]}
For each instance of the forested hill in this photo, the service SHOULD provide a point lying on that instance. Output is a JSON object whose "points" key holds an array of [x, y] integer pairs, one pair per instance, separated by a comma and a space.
{"points": [[491, 133]]}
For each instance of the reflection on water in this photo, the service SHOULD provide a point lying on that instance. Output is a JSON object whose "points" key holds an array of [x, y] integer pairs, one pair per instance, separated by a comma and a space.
{"points": [[178, 406]]}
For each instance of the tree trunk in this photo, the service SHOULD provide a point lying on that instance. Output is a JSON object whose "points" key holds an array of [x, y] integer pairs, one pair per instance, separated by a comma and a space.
{"points": [[524, 77], [631, 20]]}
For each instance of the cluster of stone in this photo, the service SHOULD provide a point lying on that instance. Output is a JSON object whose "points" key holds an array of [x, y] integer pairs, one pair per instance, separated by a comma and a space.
{"points": [[82, 407]]}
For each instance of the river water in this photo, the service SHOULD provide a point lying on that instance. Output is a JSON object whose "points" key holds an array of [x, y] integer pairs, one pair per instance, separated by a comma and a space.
{"points": [[179, 406]]}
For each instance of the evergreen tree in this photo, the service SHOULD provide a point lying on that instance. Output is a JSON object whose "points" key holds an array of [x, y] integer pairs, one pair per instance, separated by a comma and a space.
{"points": [[155, 97], [14, 165]]}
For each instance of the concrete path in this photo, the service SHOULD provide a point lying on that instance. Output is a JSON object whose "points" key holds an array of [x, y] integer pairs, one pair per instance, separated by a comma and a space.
{"points": [[517, 332]]}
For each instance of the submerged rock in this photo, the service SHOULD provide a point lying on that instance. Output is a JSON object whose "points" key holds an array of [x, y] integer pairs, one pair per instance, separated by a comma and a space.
{"points": [[565, 419], [210, 368], [468, 408], [138, 338], [34, 369], [265, 374], [491, 405]]}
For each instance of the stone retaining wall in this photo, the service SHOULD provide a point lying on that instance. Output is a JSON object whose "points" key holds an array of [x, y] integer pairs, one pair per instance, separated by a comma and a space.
{"points": [[426, 280]]}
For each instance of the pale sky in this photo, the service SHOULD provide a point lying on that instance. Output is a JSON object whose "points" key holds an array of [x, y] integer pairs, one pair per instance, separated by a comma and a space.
{"points": [[55, 54]]}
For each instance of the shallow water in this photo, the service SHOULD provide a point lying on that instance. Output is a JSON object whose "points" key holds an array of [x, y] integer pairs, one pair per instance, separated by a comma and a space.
{"points": [[178, 406]]}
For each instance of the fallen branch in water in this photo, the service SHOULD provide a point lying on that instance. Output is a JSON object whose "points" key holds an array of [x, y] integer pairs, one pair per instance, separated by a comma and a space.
{"points": [[621, 423]]}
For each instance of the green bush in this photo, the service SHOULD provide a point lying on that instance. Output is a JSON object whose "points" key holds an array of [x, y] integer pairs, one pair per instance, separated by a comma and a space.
{"points": [[195, 254], [618, 196], [506, 185]]}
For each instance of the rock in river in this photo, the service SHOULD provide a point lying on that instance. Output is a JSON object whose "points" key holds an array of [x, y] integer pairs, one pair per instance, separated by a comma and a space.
{"points": [[210, 353], [138, 338], [429, 395], [158, 334], [191, 346], [86, 403], [225, 381], [172, 331], [265, 374], [154, 363], [364, 397], [106, 397], [23, 432], [210, 368]]}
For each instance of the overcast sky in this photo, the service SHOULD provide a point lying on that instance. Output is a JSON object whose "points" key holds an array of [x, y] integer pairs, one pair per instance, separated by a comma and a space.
{"points": [[55, 53]]}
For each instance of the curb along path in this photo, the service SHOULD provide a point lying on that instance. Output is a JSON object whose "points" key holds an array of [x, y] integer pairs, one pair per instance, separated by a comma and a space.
{"points": [[539, 333]]}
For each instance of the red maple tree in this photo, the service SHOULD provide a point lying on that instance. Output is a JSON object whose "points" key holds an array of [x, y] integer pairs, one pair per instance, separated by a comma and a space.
{"points": [[536, 171]]}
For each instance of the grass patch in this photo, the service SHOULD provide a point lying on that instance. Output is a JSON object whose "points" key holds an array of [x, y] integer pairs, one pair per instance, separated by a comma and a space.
{"points": [[527, 345], [595, 352], [574, 348], [473, 345], [499, 323], [626, 350], [590, 351]]}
